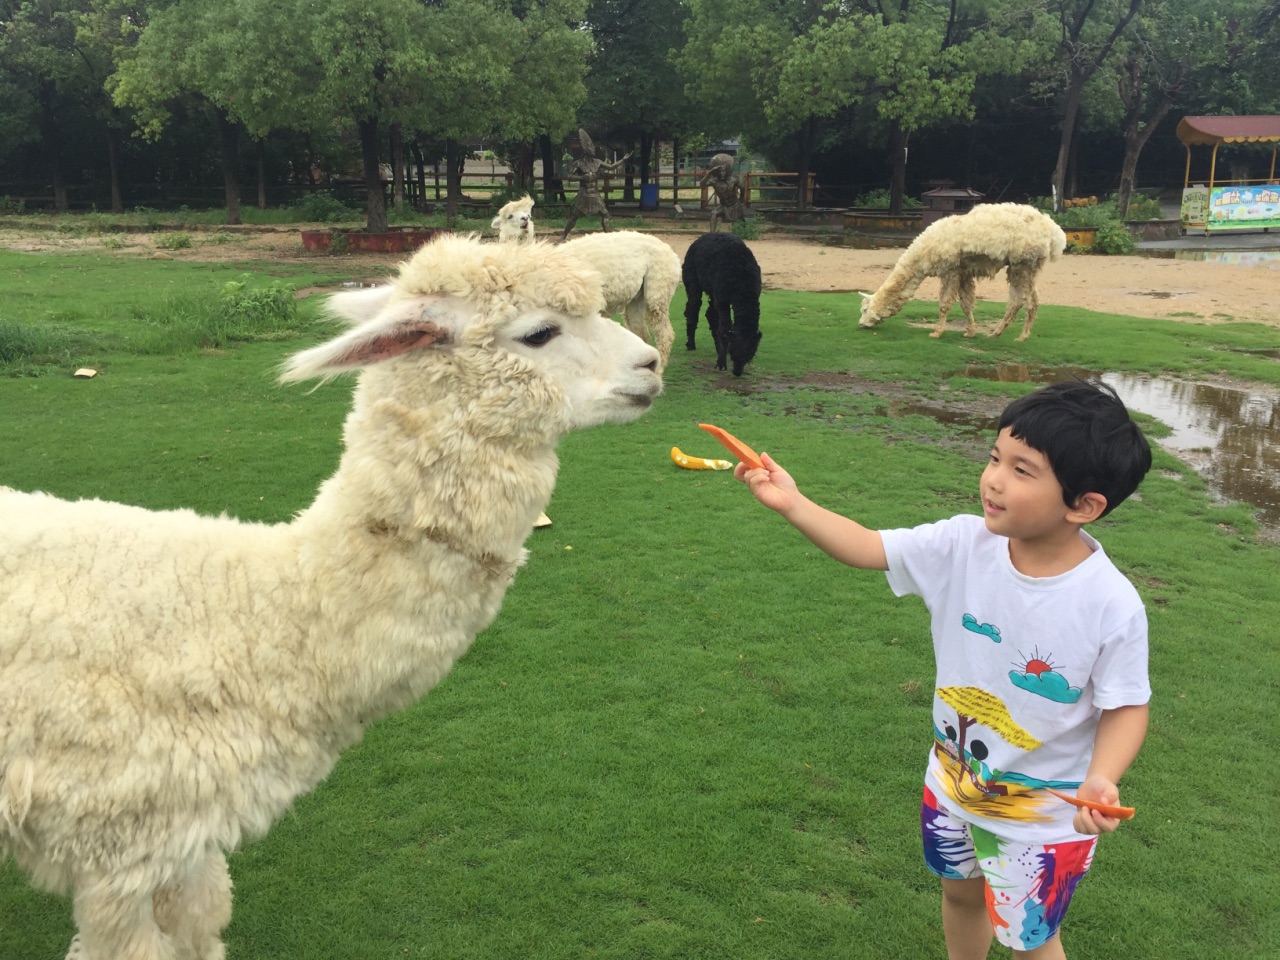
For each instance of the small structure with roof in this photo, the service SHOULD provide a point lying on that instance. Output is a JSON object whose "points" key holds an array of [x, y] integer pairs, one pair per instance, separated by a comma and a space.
{"points": [[945, 200], [1233, 204]]}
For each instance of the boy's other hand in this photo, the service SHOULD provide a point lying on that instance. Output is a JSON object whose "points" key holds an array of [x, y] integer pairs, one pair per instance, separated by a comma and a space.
{"points": [[772, 486], [1101, 790]]}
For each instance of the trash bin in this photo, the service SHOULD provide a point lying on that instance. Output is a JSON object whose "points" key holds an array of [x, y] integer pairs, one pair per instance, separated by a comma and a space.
{"points": [[648, 196]]}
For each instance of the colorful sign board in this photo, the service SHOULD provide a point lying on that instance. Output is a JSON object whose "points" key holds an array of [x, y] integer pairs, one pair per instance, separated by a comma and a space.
{"points": [[1250, 207]]}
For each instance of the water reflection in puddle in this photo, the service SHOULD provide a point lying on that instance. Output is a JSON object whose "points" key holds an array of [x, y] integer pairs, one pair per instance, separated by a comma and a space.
{"points": [[1238, 258], [1230, 436]]}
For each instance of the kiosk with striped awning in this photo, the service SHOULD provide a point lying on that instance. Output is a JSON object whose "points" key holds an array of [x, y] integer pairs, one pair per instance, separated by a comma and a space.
{"points": [[1229, 204]]}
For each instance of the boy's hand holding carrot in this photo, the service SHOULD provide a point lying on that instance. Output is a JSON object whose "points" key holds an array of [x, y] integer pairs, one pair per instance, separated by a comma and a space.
{"points": [[772, 485]]}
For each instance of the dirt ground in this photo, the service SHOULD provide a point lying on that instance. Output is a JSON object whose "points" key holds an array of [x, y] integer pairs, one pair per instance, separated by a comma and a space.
{"points": [[1136, 286]]}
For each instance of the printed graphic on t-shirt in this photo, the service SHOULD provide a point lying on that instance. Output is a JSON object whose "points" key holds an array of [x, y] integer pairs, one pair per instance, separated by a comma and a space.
{"points": [[988, 630], [1039, 675], [961, 751]]}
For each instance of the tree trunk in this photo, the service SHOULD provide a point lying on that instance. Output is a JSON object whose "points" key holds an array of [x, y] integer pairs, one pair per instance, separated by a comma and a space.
{"points": [[646, 151], [262, 174], [229, 139], [420, 174], [453, 164], [376, 206], [397, 167], [522, 169], [113, 161], [804, 159], [1135, 138], [898, 141], [550, 181], [1072, 184], [675, 171], [628, 176], [51, 137], [1057, 181]]}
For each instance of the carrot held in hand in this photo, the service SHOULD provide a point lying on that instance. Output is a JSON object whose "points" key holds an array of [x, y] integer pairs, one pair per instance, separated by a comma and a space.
{"points": [[1106, 809], [735, 446]]}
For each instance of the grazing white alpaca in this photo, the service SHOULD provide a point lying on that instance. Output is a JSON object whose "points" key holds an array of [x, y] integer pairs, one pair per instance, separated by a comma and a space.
{"points": [[170, 682], [960, 250], [514, 221], [640, 276]]}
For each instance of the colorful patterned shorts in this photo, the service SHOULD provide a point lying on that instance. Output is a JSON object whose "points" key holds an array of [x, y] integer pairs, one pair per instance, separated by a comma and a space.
{"points": [[1028, 885]]}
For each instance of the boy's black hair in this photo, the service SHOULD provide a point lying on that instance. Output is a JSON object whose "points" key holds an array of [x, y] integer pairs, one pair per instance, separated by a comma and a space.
{"points": [[1085, 432]]}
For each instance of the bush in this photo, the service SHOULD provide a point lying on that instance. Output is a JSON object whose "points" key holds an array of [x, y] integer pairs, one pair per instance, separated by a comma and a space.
{"points": [[174, 241], [1113, 237], [238, 314], [748, 229], [1144, 208], [32, 350], [9, 205], [879, 200], [322, 207]]}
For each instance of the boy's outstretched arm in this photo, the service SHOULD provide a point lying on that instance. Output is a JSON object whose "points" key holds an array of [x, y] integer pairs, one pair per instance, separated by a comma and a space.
{"points": [[842, 538], [1115, 745]]}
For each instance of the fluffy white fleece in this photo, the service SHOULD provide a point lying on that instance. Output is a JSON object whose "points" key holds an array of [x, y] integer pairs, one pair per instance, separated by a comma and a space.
{"points": [[171, 682], [514, 221], [640, 275], [962, 249]]}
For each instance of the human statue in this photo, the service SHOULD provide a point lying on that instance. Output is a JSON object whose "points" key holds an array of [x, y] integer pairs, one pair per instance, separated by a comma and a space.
{"points": [[730, 194], [588, 170]]}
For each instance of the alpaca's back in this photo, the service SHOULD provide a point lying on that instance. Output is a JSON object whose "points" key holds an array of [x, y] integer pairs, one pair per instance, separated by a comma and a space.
{"points": [[639, 275], [1006, 232], [630, 264]]}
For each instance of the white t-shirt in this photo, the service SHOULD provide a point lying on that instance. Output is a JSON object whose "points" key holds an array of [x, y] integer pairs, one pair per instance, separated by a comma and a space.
{"points": [[1025, 666]]}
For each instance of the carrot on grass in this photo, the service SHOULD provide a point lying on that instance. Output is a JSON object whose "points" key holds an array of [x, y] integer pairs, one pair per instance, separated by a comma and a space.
{"points": [[735, 446], [1107, 809]]}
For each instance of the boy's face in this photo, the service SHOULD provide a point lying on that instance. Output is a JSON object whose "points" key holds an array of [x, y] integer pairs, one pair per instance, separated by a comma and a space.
{"points": [[1021, 496]]}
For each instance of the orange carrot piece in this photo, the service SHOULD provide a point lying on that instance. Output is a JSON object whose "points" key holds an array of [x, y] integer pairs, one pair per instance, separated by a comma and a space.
{"points": [[735, 446], [1107, 809]]}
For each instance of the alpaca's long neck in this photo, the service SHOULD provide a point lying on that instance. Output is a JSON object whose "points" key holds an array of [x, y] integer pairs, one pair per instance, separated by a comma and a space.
{"points": [[899, 286], [409, 547]]}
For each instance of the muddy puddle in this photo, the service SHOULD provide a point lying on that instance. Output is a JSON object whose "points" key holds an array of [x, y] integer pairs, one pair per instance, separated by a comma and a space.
{"points": [[1238, 258]]}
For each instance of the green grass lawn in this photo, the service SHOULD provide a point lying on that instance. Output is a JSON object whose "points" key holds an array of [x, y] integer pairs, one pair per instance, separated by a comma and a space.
{"points": [[688, 734]]}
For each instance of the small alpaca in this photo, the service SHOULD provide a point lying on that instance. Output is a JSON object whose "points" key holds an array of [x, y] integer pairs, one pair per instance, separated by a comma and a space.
{"points": [[514, 221], [960, 250], [209, 671], [723, 266], [640, 276]]}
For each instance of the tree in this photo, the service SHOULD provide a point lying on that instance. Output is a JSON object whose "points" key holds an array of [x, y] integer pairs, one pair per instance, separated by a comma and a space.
{"points": [[233, 56], [805, 64], [1168, 46], [1087, 33], [51, 77], [634, 90]]}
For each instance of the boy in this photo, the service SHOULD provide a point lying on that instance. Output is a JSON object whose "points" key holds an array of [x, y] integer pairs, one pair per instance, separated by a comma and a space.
{"points": [[1022, 587]]}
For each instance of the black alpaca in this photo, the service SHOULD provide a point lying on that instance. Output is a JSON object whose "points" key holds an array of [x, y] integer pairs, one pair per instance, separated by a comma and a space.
{"points": [[723, 267]]}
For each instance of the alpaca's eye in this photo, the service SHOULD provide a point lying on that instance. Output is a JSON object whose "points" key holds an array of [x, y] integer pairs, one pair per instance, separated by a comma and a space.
{"points": [[540, 337]]}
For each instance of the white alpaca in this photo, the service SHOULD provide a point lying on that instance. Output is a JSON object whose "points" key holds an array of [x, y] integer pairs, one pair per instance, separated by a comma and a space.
{"points": [[960, 250], [640, 274], [170, 682], [514, 221]]}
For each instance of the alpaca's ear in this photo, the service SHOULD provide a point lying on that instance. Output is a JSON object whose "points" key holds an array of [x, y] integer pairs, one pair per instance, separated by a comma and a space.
{"points": [[405, 326], [864, 296], [496, 222], [356, 306]]}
